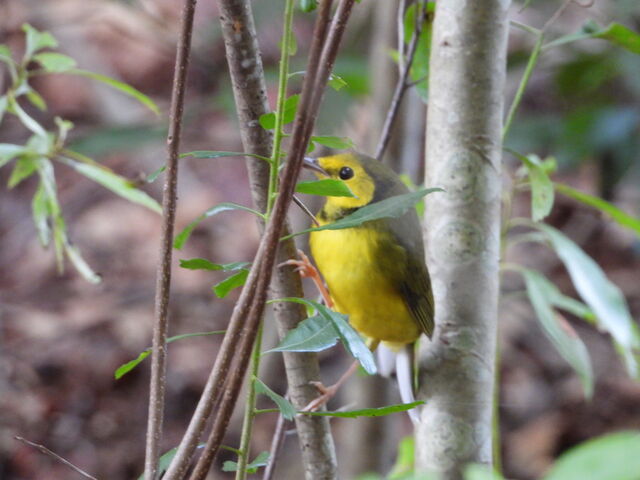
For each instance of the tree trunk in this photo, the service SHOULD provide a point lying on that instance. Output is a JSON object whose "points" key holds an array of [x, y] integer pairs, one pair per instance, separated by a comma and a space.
{"points": [[463, 230]]}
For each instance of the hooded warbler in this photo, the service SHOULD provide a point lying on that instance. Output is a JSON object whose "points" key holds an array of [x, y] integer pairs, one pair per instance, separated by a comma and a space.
{"points": [[375, 272]]}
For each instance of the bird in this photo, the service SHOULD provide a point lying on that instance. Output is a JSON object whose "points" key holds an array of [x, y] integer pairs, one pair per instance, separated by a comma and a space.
{"points": [[375, 272]]}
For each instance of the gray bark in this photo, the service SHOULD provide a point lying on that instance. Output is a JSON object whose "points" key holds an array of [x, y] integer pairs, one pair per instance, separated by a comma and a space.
{"points": [[249, 88], [464, 157]]}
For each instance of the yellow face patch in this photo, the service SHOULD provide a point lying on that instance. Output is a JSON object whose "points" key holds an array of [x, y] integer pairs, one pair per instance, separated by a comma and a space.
{"points": [[347, 168]]}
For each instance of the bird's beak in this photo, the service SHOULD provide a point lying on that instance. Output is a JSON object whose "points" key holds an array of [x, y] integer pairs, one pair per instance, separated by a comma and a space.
{"points": [[312, 164]]}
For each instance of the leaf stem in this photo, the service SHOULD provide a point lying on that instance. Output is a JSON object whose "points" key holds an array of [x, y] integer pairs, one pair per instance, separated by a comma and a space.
{"points": [[249, 409]]}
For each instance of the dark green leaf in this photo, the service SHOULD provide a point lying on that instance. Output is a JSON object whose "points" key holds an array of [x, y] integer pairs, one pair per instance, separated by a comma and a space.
{"points": [[367, 412], [219, 154], [268, 120], [614, 212], [350, 338], [604, 298], [163, 462], [260, 461], [313, 334], [203, 264], [54, 62], [123, 87], [561, 334], [184, 235], [286, 409], [26, 166], [328, 187], [610, 457], [117, 184], [223, 288], [37, 40], [387, 208], [308, 5], [541, 188], [339, 143], [127, 367]]}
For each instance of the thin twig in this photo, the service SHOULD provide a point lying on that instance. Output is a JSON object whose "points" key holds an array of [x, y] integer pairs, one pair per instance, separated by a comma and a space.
{"points": [[306, 210], [48, 452], [276, 447], [401, 86], [163, 281], [402, 48]]}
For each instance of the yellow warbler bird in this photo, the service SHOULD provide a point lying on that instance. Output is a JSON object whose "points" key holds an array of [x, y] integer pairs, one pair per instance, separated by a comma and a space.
{"points": [[375, 272]]}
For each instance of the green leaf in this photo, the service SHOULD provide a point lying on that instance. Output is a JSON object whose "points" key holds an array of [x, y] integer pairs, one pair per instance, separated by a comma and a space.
{"points": [[308, 5], [614, 32], [328, 187], [336, 82], [4, 103], [477, 471], [127, 367], [610, 457], [420, 68], [236, 280], [80, 264], [184, 235], [26, 119], [9, 151], [339, 143], [561, 334], [218, 154], [154, 175], [388, 208], [291, 46], [123, 87], [604, 298], [542, 196], [313, 334], [350, 338], [367, 412], [25, 166], [404, 464], [286, 409], [268, 120], [260, 461], [54, 62], [36, 100], [40, 213], [622, 218], [203, 264], [37, 40], [117, 184]]}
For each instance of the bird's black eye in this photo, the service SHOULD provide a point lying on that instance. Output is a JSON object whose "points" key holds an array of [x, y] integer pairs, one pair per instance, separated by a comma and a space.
{"points": [[345, 173]]}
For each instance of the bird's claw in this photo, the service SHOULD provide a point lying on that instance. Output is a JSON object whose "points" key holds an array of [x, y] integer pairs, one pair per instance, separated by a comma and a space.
{"points": [[326, 393]]}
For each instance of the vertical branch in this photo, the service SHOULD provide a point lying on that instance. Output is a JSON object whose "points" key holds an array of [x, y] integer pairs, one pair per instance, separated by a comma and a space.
{"points": [[163, 280], [467, 71]]}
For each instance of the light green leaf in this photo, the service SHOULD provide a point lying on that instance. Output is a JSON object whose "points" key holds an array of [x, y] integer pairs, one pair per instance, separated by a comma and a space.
{"points": [[127, 367], [622, 218], [54, 62], [336, 82], [123, 87], [614, 32], [184, 235], [328, 187], [25, 166], [260, 461], [388, 208], [203, 264], [367, 412], [405, 460], [4, 102], [80, 264], [36, 100], [339, 143], [236, 280], [268, 120], [559, 331], [219, 154], [26, 120], [477, 471], [604, 298], [9, 151], [117, 184], [286, 409], [610, 457], [542, 196], [37, 40], [40, 213], [313, 334], [350, 338]]}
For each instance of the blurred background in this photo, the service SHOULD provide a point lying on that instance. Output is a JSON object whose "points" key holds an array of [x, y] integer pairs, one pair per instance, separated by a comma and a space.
{"points": [[61, 338]]}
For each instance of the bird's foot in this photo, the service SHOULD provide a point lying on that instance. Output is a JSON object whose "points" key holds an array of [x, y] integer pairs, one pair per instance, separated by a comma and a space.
{"points": [[306, 270], [326, 394]]}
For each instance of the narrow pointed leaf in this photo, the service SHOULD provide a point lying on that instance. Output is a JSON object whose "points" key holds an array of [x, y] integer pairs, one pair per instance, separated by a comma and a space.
{"points": [[204, 264], [328, 187], [367, 412], [220, 154], [541, 188], [223, 288], [260, 461], [37, 40], [564, 338], [54, 62], [387, 208], [339, 143], [286, 409], [313, 334], [26, 166]]}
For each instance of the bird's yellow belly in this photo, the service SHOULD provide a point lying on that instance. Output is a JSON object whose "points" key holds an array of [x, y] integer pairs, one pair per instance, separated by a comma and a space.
{"points": [[359, 288]]}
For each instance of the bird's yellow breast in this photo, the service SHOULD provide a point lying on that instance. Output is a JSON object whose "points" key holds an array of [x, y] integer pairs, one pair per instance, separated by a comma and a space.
{"points": [[349, 260]]}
